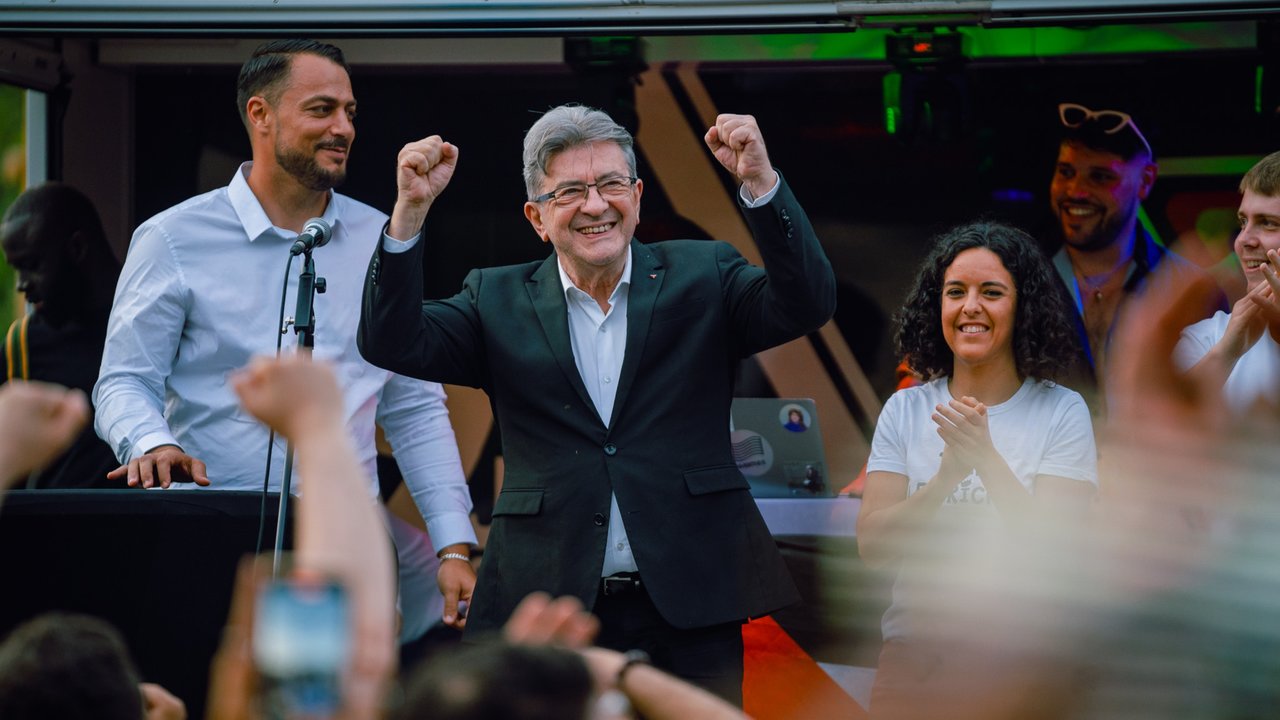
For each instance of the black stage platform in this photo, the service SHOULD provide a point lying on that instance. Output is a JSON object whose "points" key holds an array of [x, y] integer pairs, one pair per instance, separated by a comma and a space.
{"points": [[158, 564]]}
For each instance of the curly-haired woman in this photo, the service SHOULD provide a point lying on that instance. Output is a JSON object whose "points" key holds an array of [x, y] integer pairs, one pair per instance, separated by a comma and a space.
{"points": [[962, 461]]}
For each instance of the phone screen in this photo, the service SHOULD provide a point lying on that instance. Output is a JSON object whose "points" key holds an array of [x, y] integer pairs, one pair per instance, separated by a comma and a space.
{"points": [[300, 645]]}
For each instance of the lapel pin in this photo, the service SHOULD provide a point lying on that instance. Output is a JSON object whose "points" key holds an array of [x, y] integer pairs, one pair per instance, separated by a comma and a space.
{"points": [[653, 276]]}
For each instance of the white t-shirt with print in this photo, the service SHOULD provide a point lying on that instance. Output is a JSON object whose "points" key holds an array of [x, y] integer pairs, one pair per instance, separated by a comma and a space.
{"points": [[1044, 429]]}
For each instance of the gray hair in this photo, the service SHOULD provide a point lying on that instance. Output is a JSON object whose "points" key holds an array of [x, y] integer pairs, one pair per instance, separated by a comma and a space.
{"points": [[565, 127]]}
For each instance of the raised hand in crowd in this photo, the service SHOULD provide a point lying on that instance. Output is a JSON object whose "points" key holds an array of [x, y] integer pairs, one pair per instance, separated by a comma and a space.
{"points": [[622, 684], [339, 535], [37, 420]]}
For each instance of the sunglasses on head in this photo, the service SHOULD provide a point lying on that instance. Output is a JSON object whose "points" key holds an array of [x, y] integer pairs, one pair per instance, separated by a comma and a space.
{"points": [[1109, 122]]}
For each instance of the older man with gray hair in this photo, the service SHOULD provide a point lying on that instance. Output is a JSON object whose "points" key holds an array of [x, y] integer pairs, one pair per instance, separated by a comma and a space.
{"points": [[610, 368]]}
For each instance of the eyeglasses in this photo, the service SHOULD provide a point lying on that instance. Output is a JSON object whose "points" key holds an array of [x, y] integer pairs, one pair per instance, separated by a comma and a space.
{"points": [[1109, 122], [571, 195]]}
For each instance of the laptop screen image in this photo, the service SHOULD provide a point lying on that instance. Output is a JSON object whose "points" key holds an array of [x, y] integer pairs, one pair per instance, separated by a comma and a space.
{"points": [[777, 444]]}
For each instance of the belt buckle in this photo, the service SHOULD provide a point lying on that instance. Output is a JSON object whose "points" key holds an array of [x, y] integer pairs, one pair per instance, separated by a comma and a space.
{"points": [[619, 585]]}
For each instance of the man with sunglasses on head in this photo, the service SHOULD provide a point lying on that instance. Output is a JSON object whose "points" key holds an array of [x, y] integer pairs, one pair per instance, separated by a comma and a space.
{"points": [[1105, 168], [610, 369]]}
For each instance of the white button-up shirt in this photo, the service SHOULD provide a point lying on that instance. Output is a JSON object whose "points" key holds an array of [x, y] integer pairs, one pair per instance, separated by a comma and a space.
{"points": [[599, 340], [200, 294]]}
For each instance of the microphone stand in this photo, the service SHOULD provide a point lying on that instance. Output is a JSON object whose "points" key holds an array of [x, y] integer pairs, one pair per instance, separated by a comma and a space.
{"points": [[305, 326]]}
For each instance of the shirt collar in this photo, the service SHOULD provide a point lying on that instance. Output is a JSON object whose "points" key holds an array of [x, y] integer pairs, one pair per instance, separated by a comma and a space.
{"points": [[254, 219], [625, 280]]}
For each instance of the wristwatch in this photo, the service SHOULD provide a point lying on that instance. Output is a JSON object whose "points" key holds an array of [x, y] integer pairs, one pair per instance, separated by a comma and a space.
{"points": [[630, 659]]}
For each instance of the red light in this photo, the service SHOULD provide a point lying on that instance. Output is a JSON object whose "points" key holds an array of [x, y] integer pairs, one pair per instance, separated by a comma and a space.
{"points": [[922, 46]]}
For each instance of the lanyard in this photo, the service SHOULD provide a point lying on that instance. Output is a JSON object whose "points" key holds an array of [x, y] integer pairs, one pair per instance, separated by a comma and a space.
{"points": [[19, 327]]}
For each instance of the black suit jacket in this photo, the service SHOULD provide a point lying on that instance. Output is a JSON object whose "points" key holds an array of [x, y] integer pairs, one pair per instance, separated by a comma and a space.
{"points": [[694, 309]]}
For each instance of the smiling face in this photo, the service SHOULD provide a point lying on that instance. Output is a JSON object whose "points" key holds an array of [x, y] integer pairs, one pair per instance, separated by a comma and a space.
{"points": [[979, 304], [1095, 194], [314, 122], [591, 237], [1259, 217]]}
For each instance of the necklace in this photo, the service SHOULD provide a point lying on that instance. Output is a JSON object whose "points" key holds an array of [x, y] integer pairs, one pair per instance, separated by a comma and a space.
{"points": [[1094, 284]]}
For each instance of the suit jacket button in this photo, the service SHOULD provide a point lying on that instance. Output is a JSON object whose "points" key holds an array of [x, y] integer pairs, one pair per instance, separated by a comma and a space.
{"points": [[598, 519], [610, 449]]}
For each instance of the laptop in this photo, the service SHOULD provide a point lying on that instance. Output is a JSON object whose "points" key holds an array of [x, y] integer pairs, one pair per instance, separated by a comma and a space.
{"points": [[777, 444]]}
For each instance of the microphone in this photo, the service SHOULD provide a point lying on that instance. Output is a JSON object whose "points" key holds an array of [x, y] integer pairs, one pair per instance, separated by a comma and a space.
{"points": [[314, 234]]}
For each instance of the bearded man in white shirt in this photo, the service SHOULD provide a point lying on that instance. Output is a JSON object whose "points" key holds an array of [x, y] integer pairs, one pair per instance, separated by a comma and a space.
{"points": [[198, 298]]}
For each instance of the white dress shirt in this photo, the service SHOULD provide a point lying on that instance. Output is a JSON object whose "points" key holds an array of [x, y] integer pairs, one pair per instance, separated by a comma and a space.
{"points": [[200, 295], [599, 342]]}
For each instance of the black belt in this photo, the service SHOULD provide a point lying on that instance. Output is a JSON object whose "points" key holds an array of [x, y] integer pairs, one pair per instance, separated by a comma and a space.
{"points": [[620, 584]]}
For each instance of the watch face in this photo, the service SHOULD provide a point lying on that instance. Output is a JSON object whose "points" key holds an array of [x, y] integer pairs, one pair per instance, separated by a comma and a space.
{"points": [[631, 657]]}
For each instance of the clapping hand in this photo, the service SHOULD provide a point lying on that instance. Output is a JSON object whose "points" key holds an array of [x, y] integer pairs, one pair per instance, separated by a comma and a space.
{"points": [[962, 424]]}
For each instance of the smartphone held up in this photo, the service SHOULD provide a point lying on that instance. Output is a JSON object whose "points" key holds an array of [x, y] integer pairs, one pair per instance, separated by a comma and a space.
{"points": [[301, 645]]}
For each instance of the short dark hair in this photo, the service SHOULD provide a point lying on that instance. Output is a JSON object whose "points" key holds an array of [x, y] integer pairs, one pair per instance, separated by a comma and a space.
{"points": [[267, 69], [67, 666], [1264, 177], [1043, 338], [499, 680], [60, 211]]}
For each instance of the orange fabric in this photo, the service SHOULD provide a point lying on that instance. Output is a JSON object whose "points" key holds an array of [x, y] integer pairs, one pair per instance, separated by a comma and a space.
{"points": [[855, 488], [782, 682]]}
